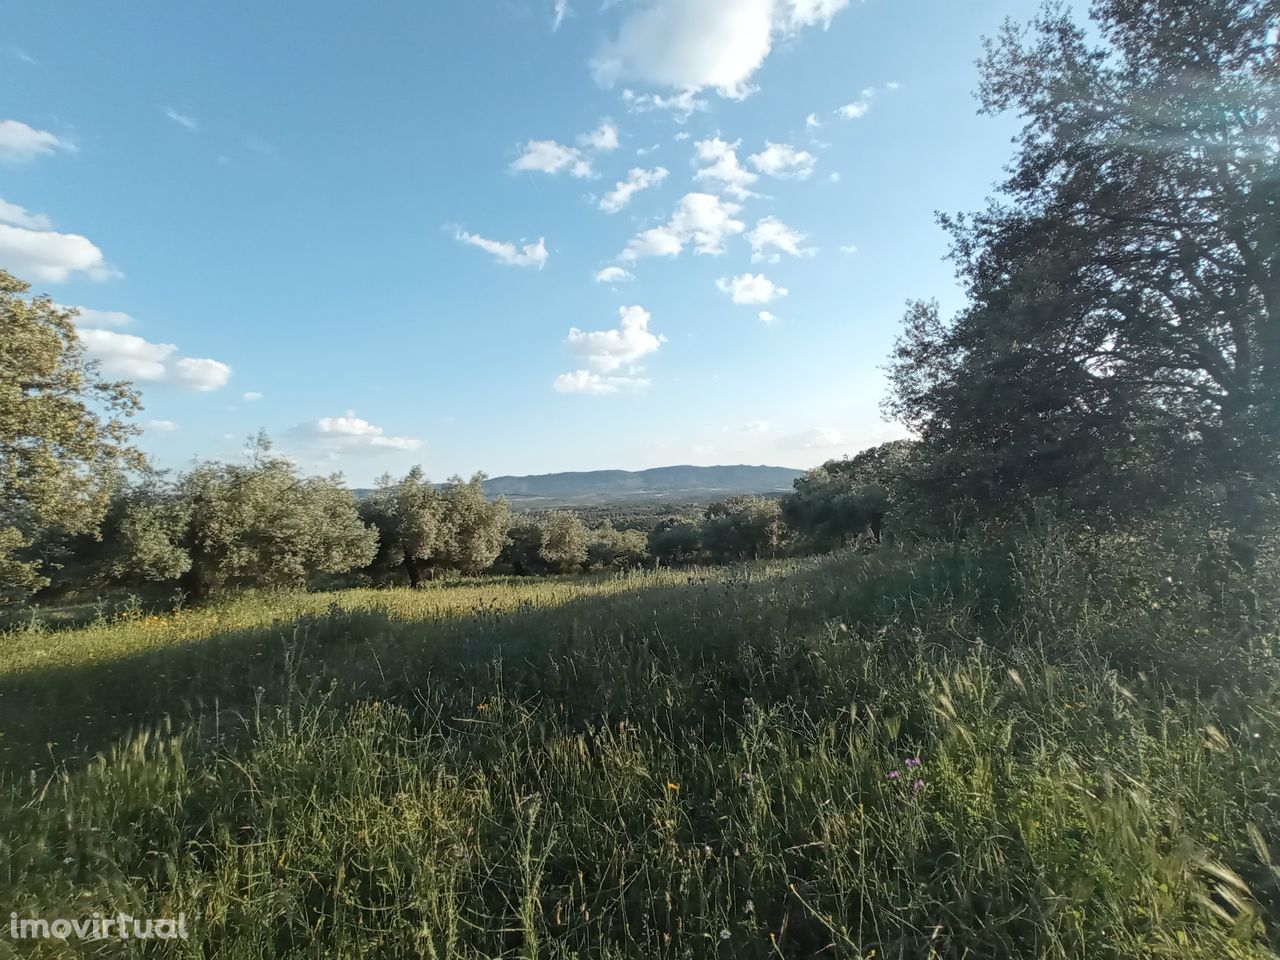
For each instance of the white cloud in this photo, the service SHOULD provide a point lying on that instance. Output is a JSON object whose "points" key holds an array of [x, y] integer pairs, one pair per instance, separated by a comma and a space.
{"points": [[849, 248], [584, 381], [602, 139], [833, 176], [784, 161], [813, 438], [551, 156], [181, 119], [682, 105], [559, 13], [30, 249], [771, 238], [18, 216], [702, 219], [251, 395], [812, 121], [130, 357], [614, 275], [723, 167], [637, 179], [857, 109], [751, 288], [20, 142], [693, 45], [87, 317], [160, 426], [548, 156], [767, 317], [529, 255], [608, 350], [351, 432]]}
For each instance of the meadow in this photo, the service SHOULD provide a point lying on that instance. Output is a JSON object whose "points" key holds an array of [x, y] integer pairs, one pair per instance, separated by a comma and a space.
{"points": [[1043, 748]]}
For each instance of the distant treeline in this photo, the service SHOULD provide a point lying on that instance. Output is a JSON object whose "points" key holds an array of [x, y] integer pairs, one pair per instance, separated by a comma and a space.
{"points": [[222, 527]]}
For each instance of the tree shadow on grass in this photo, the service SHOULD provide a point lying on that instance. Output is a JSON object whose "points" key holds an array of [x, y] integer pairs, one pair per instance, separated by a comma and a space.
{"points": [[673, 655]]}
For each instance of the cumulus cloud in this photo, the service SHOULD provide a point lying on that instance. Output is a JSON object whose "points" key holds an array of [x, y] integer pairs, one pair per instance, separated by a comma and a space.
{"points": [[681, 106], [614, 275], [551, 156], [30, 248], [784, 161], [181, 119], [855, 110], [15, 215], [771, 238], [812, 121], [813, 438], [131, 357], [20, 142], [693, 45], [766, 317], [723, 167], [602, 139], [751, 288], [352, 432], [608, 350], [637, 179], [560, 11], [528, 255], [701, 219], [849, 248], [251, 395], [548, 156]]}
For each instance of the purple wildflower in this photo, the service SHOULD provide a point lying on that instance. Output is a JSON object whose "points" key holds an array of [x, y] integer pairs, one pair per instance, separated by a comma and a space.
{"points": [[919, 784], [913, 762], [894, 774]]}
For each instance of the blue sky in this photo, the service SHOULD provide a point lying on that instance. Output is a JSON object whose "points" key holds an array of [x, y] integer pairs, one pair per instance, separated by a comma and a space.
{"points": [[376, 230]]}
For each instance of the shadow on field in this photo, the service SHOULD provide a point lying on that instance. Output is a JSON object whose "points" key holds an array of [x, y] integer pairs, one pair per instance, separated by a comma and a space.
{"points": [[675, 655]]}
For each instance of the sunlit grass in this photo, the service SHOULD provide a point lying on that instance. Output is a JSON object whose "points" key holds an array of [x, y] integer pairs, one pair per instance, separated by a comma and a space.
{"points": [[932, 754]]}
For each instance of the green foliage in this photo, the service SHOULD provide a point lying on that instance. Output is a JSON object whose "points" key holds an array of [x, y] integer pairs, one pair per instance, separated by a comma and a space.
{"points": [[64, 433], [409, 517], [473, 528], [744, 528], [612, 549], [676, 542], [259, 524], [841, 500], [1120, 348], [550, 543]]}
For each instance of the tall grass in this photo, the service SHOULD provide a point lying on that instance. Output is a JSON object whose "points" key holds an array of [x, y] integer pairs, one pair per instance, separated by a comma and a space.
{"points": [[938, 752]]}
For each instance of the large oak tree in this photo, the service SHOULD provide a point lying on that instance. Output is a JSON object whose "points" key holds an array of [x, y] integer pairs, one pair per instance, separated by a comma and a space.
{"points": [[1122, 341]]}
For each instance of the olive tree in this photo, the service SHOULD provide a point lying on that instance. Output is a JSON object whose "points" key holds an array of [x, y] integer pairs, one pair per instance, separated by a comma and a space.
{"points": [[258, 524], [744, 528], [65, 433], [409, 517]]}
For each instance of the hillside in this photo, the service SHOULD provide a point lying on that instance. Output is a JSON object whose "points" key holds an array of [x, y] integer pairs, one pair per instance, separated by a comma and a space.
{"points": [[678, 483]]}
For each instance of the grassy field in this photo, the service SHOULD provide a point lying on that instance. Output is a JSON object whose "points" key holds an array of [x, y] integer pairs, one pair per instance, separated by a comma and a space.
{"points": [[936, 752]]}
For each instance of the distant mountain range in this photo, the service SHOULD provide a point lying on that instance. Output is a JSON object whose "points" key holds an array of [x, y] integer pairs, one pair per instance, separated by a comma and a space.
{"points": [[660, 483]]}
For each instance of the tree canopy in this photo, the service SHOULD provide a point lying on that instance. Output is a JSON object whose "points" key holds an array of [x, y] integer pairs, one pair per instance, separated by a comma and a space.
{"points": [[65, 432], [257, 524], [1122, 340]]}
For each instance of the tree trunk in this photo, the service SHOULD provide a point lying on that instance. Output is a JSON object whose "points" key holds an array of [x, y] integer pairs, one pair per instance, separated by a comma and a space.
{"points": [[413, 570]]}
